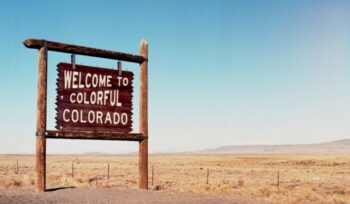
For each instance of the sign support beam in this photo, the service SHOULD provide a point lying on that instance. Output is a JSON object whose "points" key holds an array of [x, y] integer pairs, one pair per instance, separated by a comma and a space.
{"points": [[82, 50], [143, 144], [41, 121]]}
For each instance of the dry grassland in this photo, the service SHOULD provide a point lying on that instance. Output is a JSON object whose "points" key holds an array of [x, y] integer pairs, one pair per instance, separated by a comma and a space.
{"points": [[303, 178]]}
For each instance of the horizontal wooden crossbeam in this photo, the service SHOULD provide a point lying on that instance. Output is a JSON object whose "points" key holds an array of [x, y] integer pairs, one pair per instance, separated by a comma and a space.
{"points": [[55, 134], [81, 50]]}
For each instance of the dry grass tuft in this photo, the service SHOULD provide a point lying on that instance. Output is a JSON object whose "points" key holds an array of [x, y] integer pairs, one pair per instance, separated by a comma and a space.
{"points": [[265, 191], [156, 187], [240, 182], [12, 183]]}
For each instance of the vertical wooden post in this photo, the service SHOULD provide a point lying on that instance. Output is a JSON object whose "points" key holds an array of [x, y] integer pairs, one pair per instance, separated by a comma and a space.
{"points": [[72, 170], [207, 175], [278, 179], [17, 167], [108, 172], [152, 174], [143, 144], [41, 121]]}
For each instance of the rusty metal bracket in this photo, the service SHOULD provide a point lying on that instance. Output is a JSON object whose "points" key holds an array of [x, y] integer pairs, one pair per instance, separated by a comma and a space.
{"points": [[45, 49], [72, 59], [40, 134], [119, 68]]}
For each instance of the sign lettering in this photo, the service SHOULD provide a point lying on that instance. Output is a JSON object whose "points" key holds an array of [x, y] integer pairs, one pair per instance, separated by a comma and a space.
{"points": [[93, 99]]}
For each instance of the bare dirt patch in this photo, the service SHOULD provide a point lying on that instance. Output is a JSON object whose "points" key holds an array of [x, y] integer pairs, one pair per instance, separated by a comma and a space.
{"points": [[105, 195]]}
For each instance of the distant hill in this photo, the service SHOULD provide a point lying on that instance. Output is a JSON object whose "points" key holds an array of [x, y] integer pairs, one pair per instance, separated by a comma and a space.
{"points": [[339, 146], [334, 147], [94, 154]]}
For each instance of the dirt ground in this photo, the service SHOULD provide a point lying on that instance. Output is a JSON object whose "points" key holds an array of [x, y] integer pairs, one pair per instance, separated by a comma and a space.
{"points": [[107, 195], [302, 178]]}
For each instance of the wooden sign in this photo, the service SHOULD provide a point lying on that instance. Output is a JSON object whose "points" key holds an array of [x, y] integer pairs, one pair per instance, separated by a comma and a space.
{"points": [[93, 99], [92, 103]]}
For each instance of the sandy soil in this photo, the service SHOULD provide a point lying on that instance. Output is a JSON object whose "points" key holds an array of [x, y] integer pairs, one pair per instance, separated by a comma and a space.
{"points": [[105, 195]]}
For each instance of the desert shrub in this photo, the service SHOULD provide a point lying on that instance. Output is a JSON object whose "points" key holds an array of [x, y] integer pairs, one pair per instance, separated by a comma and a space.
{"points": [[156, 187], [307, 195], [225, 181], [338, 201], [339, 190], [240, 182], [12, 183], [54, 177], [265, 191], [93, 180], [32, 182], [17, 183], [79, 180]]}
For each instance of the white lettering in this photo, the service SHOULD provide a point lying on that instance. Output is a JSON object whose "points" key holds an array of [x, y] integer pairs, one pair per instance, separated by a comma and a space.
{"points": [[87, 84], [91, 116], [125, 81], [75, 116], [119, 80], [64, 115], [82, 117], [99, 98], [102, 80], [99, 115], [116, 118], [95, 117], [67, 79], [124, 118], [109, 78], [106, 92], [80, 97], [75, 74], [81, 85], [71, 98], [108, 118], [117, 96], [94, 80], [85, 100], [93, 98]]}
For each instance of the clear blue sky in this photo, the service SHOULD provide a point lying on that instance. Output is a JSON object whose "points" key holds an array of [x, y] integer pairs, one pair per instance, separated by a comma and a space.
{"points": [[220, 72]]}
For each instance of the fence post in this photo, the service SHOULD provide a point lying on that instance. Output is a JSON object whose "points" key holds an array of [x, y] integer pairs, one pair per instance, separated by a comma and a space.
{"points": [[108, 172], [152, 173], [207, 175], [278, 179], [72, 170], [17, 167]]}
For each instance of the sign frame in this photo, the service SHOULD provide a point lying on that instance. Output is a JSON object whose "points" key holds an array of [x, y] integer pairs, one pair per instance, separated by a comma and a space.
{"points": [[42, 133]]}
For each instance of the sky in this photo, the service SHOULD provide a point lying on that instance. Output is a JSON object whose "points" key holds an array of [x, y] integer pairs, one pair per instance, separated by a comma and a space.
{"points": [[221, 72]]}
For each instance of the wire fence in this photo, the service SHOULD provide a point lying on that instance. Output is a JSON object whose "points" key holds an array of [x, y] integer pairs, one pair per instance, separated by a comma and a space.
{"points": [[177, 176]]}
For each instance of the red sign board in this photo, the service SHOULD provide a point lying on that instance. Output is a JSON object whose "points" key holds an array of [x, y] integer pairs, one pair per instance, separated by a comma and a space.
{"points": [[93, 99]]}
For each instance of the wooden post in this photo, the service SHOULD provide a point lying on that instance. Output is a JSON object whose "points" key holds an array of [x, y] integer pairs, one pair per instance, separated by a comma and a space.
{"points": [[17, 167], [72, 170], [108, 172], [207, 175], [41, 121], [278, 179], [152, 174], [143, 144]]}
